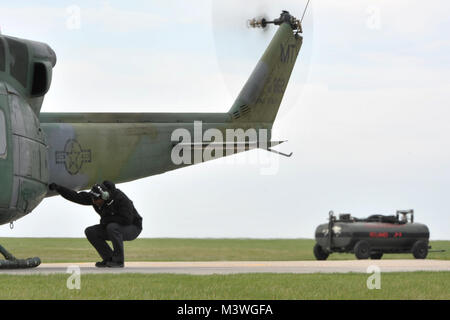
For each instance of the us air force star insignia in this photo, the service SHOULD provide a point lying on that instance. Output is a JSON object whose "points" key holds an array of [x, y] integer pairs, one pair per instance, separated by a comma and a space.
{"points": [[73, 156]]}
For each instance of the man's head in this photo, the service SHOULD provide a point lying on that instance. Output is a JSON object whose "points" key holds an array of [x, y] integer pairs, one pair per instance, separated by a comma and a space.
{"points": [[99, 194]]}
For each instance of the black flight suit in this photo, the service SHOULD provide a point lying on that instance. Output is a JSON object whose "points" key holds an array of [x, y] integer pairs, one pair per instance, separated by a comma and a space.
{"points": [[119, 221]]}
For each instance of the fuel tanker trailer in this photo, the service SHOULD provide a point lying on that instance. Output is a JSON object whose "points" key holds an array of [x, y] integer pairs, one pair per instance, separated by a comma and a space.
{"points": [[373, 236]]}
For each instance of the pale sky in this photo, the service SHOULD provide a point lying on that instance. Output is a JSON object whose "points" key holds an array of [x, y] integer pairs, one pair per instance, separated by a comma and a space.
{"points": [[366, 112]]}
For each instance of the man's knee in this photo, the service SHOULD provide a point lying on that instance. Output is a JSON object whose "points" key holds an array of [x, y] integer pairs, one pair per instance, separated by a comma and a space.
{"points": [[90, 232]]}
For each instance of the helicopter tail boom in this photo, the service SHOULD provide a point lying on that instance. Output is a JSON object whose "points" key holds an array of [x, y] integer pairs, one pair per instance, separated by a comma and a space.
{"points": [[261, 96]]}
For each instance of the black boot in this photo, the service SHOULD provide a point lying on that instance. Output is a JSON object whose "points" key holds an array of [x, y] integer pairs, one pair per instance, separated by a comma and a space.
{"points": [[102, 264], [114, 264]]}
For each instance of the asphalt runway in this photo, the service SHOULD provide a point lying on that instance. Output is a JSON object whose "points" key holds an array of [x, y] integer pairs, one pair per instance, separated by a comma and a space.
{"points": [[233, 267]]}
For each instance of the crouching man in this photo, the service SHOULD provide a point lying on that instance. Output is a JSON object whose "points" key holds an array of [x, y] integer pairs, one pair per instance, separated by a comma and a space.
{"points": [[119, 220]]}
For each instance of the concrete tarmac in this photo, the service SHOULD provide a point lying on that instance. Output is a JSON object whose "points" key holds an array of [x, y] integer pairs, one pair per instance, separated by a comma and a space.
{"points": [[233, 267]]}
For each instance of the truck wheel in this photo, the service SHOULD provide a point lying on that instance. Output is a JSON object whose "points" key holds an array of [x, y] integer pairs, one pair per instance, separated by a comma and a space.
{"points": [[319, 253], [362, 250], [420, 249], [376, 256]]}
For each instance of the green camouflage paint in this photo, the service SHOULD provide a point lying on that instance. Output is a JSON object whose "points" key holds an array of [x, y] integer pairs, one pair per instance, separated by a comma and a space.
{"points": [[82, 149]]}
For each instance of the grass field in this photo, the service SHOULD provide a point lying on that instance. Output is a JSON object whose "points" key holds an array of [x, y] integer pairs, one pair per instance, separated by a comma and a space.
{"points": [[409, 285], [416, 285], [79, 250]]}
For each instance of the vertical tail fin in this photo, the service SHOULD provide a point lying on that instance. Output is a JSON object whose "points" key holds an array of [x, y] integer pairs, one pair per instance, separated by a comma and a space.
{"points": [[261, 96]]}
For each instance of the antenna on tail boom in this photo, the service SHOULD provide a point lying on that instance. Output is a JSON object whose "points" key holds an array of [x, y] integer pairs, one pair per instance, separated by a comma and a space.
{"points": [[306, 7]]}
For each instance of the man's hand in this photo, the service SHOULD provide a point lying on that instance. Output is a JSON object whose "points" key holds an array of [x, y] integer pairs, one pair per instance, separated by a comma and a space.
{"points": [[53, 186]]}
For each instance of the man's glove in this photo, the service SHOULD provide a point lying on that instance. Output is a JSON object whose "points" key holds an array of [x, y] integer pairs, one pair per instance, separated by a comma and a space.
{"points": [[53, 186]]}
